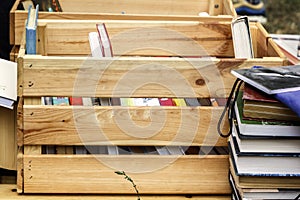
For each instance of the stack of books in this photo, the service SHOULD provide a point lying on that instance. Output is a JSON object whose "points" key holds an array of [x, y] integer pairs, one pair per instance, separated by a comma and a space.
{"points": [[265, 142]]}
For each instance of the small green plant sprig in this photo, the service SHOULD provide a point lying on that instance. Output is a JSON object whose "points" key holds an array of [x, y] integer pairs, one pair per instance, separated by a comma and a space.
{"points": [[126, 177]]}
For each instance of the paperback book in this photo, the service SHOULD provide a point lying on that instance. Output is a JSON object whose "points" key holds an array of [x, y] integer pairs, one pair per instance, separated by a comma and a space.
{"points": [[265, 146]]}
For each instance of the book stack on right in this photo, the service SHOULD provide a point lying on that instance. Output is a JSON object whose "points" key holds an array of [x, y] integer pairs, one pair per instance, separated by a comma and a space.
{"points": [[265, 141]]}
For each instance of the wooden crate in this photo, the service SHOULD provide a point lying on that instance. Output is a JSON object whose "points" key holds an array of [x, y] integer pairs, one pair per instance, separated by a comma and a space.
{"points": [[63, 63], [125, 9]]}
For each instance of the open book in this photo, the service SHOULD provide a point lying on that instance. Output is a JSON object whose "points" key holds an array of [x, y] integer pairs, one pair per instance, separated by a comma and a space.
{"points": [[8, 83]]}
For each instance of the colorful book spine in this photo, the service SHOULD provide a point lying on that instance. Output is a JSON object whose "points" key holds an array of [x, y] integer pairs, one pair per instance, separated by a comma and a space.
{"points": [[179, 102], [166, 102], [76, 101], [61, 101]]}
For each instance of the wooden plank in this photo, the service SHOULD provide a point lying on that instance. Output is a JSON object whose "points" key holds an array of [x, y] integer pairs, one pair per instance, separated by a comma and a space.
{"points": [[215, 7], [20, 125], [228, 8], [154, 7], [32, 101], [114, 77], [12, 22], [274, 50], [152, 174], [65, 125], [14, 53], [20, 167], [7, 191], [149, 38], [8, 145], [254, 36], [32, 150], [261, 41]]}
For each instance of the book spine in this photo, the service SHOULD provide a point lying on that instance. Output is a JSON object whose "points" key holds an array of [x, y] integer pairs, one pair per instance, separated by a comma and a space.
{"points": [[30, 41], [76, 101]]}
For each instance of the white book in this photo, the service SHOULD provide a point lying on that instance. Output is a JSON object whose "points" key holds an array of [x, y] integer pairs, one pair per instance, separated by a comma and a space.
{"points": [[104, 40], [8, 83], [175, 150], [112, 150], [265, 146], [241, 37], [146, 102], [162, 150], [284, 166], [87, 101], [94, 41]]}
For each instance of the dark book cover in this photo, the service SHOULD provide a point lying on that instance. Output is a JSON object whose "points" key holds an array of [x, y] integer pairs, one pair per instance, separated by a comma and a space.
{"points": [[271, 80]]}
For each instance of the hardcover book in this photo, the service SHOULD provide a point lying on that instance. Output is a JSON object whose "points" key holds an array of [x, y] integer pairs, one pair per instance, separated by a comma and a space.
{"points": [[256, 180], [265, 146], [256, 165], [261, 193], [30, 28], [241, 37], [259, 105]]}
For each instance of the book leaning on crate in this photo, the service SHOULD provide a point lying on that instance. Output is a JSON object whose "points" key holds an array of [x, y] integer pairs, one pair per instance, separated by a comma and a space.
{"points": [[265, 153]]}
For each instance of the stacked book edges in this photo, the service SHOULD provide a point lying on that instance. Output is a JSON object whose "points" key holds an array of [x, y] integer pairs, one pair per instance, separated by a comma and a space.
{"points": [[264, 149]]}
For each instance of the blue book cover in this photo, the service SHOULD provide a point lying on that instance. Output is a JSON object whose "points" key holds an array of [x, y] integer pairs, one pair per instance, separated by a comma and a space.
{"points": [[31, 25], [291, 100]]}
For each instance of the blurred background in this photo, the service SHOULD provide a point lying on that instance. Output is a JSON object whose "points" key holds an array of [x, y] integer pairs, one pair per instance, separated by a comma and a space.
{"points": [[283, 16]]}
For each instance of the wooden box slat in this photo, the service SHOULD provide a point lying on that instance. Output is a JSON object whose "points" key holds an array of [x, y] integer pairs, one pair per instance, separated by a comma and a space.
{"points": [[128, 38], [160, 174], [67, 76], [65, 125], [7, 191]]}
